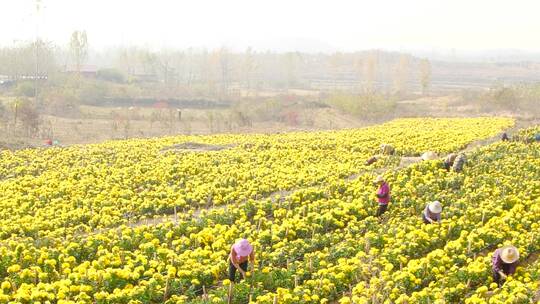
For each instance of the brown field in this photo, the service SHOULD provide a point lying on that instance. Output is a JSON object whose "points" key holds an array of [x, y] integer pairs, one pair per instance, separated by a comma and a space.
{"points": [[96, 124]]}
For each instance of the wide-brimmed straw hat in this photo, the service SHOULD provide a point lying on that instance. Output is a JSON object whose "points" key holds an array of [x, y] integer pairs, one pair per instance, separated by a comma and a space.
{"points": [[379, 179], [243, 247], [430, 155], [435, 207], [509, 254]]}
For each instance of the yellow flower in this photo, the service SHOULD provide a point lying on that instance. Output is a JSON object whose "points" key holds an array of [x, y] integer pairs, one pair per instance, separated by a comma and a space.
{"points": [[345, 300], [14, 268], [6, 285]]}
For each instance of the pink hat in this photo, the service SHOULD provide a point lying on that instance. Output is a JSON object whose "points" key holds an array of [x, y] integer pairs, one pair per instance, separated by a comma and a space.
{"points": [[243, 247]]}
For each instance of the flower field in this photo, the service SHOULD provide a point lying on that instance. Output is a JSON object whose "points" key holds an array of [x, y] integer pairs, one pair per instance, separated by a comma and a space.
{"points": [[320, 244]]}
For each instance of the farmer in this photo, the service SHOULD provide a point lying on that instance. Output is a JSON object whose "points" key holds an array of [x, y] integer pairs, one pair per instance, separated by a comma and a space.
{"points": [[459, 162], [537, 137], [449, 161], [241, 252], [429, 155], [432, 213], [504, 263], [371, 160], [383, 195], [504, 137], [387, 149]]}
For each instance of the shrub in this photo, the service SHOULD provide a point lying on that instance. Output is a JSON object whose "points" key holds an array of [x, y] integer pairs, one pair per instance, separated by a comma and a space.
{"points": [[369, 105], [520, 98], [93, 93], [25, 89], [112, 75]]}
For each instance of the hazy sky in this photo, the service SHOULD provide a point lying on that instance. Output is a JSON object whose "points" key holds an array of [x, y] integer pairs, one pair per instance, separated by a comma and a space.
{"points": [[280, 24]]}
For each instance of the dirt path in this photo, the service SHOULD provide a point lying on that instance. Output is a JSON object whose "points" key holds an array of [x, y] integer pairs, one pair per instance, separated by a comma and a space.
{"points": [[531, 259], [195, 147], [281, 194]]}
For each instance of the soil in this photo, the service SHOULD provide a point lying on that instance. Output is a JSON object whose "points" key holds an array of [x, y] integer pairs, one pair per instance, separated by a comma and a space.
{"points": [[15, 145], [409, 160], [196, 147], [98, 124]]}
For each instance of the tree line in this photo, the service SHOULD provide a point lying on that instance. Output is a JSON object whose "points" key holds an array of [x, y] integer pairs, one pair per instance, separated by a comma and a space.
{"points": [[220, 72]]}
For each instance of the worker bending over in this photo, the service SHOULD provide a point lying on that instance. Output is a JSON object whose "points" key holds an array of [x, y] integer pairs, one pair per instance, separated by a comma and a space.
{"points": [[504, 263], [241, 252], [432, 213]]}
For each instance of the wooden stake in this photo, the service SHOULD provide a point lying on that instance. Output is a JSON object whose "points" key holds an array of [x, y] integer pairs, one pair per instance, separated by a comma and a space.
{"points": [[252, 275], [367, 247], [483, 215], [166, 292], [230, 295]]}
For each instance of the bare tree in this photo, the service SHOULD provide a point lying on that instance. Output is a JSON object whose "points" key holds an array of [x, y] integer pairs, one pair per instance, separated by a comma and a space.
{"points": [[225, 70], [208, 64], [149, 61], [401, 72], [292, 65], [28, 116], [16, 105], [168, 61], [249, 67], [36, 52], [190, 69], [179, 65], [126, 60], [79, 48], [336, 62], [359, 69], [425, 75], [370, 71]]}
